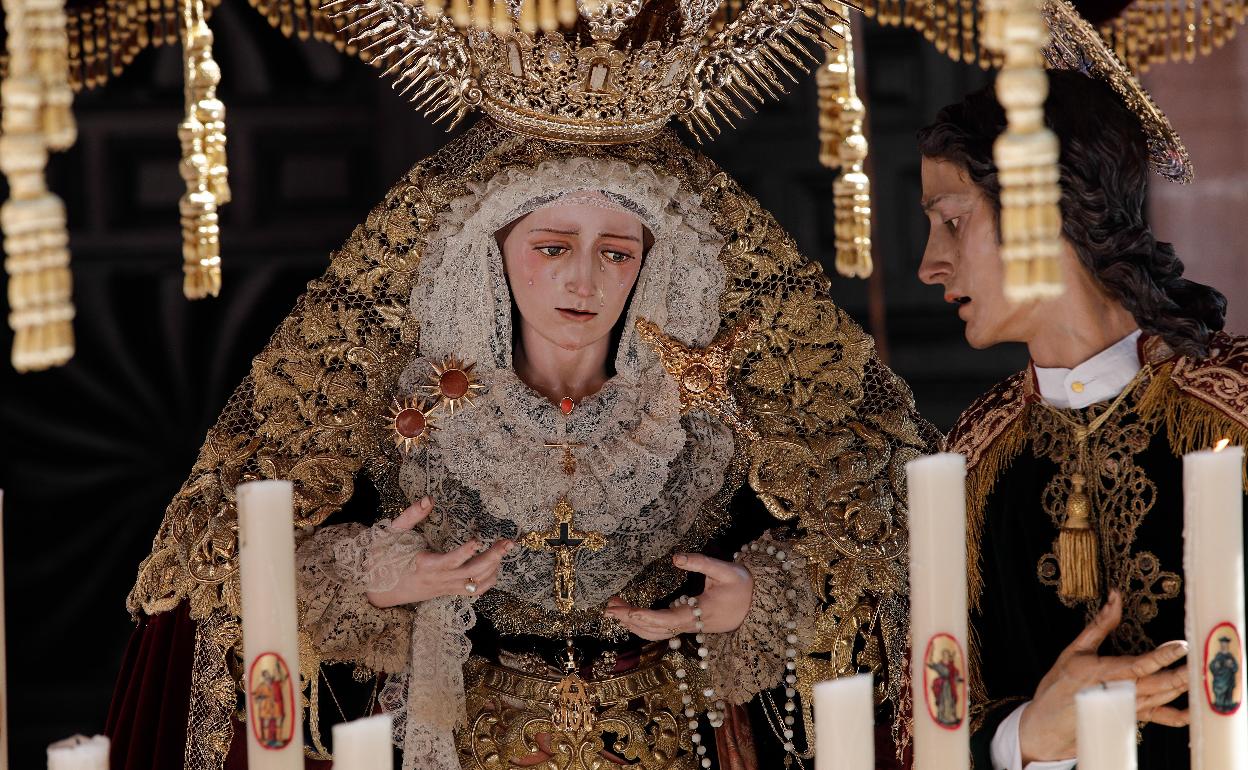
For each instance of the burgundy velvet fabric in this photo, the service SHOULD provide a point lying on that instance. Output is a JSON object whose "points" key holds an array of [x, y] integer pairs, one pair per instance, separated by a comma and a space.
{"points": [[147, 718]]}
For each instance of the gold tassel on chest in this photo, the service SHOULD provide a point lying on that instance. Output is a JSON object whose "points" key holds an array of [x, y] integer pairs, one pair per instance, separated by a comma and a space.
{"points": [[1078, 552], [1078, 548]]}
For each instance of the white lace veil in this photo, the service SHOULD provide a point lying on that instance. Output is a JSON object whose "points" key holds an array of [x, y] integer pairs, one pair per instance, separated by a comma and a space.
{"points": [[461, 272], [464, 307]]}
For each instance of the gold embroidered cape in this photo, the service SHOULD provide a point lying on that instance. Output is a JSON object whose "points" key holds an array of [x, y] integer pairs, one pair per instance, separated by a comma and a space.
{"points": [[832, 428]]}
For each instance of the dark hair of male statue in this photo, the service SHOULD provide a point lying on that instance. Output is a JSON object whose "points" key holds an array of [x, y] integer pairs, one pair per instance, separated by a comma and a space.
{"points": [[1104, 178]]}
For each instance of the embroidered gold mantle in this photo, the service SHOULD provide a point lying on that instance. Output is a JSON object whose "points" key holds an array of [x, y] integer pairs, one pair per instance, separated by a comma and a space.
{"points": [[835, 426]]}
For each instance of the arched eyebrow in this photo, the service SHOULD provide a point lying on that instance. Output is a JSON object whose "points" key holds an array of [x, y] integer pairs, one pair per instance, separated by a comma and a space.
{"points": [[578, 232], [620, 237]]}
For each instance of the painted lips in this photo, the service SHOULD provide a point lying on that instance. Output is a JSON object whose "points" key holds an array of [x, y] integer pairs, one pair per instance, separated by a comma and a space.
{"points": [[573, 314]]}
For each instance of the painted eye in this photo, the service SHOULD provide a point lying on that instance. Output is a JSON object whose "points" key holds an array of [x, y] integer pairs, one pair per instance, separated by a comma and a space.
{"points": [[617, 257], [553, 251], [952, 224]]}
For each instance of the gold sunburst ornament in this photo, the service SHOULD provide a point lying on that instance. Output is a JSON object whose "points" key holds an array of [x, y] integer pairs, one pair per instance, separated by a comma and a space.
{"points": [[410, 422], [702, 373], [453, 384]]}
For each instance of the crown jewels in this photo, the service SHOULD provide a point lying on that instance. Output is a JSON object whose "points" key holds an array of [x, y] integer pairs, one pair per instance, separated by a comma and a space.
{"points": [[619, 75]]}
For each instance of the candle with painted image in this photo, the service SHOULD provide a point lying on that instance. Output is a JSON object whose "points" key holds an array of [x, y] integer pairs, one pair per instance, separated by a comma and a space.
{"points": [[79, 753], [1213, 565], [1106, 727], [845, 724], [266, 563], [364, 744], [938, 632]]}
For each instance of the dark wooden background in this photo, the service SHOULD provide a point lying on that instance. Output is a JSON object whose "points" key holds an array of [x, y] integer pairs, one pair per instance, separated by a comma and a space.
{"points": [[91, 453]]}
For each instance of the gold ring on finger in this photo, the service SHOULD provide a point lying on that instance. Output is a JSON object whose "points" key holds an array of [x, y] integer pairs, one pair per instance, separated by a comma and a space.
{"points": [[470, 587]]}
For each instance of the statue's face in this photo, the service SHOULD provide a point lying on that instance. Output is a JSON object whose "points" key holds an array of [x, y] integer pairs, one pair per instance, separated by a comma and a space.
{"points": [[964, 255], [571, 267]]}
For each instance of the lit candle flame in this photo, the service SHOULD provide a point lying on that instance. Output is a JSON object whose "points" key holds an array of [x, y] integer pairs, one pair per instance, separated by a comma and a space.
{"points": [[1222, 444]]}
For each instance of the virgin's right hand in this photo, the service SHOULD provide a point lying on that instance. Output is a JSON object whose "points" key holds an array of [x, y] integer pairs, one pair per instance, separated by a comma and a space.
{"points": [[433, 574], [1047, 728]]}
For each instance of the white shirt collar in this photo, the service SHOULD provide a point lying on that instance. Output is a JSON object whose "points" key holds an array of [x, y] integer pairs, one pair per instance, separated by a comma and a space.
{"points": [[1100, 378]]}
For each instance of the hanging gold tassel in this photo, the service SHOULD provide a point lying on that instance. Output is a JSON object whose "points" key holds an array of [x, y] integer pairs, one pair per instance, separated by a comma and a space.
{"points": [[843, 145], [35, 99], [528, 17], [502, 19], [203, 166], [1026, 154], [1078, 555], [482, 14], [547, 15]]}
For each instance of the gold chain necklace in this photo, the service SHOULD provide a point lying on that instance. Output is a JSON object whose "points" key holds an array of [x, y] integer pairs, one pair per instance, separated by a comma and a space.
{"points": [[1077, 548]]}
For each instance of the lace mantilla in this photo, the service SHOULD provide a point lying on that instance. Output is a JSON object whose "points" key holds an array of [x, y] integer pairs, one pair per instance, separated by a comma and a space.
{"points": [[461, 296], [751, 659], [642, 476], [422, 649]]}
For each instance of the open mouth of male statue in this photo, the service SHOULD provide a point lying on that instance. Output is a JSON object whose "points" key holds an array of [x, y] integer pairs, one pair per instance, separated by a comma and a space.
{"points": [[576, 314], [959, 300]]}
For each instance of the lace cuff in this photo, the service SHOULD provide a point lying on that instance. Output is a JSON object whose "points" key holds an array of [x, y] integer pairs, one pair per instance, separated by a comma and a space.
{"points": [[336, 566], [745, 662]]}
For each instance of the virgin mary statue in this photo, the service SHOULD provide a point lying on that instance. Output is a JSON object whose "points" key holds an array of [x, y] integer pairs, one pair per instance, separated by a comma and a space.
{"points": [[589, 471]]}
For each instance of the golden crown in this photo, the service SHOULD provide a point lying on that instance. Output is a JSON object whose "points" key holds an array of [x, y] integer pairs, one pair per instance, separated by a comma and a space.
{"points": [[601, 73]]}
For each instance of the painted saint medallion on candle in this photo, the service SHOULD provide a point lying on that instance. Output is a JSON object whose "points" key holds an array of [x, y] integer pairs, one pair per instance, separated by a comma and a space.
{"points": [[944, 679], [1223, 661], [272, 698]]}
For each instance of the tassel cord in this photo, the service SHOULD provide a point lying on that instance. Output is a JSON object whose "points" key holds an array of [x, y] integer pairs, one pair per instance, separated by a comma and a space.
{"points": [[1078, 550]]}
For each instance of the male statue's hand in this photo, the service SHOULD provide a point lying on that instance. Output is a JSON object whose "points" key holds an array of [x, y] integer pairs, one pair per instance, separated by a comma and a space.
{"points": [[432, 574], [1047, 729], [725, 601]]}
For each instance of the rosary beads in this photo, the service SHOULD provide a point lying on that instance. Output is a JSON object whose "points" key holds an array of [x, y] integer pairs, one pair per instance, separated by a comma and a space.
{"points": [[715, 715]]}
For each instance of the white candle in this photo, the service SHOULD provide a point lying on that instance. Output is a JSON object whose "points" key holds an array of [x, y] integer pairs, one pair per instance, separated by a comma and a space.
{"points": [[266, 563], [845, 724], [1213, 567], [79, 753], [364, 744], [4, 673], [1106, 727], [937, 505]]}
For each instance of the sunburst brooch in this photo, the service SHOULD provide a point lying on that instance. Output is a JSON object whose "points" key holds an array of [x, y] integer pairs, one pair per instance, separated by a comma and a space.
{"points": [[410, 422], [452, 384]]}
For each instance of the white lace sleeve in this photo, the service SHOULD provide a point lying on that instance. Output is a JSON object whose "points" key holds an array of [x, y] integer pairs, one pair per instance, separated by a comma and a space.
{"points": [[745, 662], [344, 626], [422, 647]]}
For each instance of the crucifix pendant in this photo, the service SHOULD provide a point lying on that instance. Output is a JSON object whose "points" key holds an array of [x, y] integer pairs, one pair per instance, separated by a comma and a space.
{"points": [[564, 540], [569, 461]]}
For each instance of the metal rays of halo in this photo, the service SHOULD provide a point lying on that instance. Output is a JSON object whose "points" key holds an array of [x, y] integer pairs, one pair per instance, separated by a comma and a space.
{"points": [[747, 55], [451, 385], [736, 78]]}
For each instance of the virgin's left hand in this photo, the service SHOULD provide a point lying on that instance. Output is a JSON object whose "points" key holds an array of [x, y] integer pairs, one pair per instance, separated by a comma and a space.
{"points": [[724, 602]]}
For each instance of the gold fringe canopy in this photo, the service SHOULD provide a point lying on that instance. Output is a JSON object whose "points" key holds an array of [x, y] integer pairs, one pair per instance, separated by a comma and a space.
{"points": [[1146, 32], [843, 145], [203, 165], [36, 100], [1026, 154]]}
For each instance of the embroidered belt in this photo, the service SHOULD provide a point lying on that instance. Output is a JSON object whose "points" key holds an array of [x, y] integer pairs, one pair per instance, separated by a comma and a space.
{"points": [[638, 716]]}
